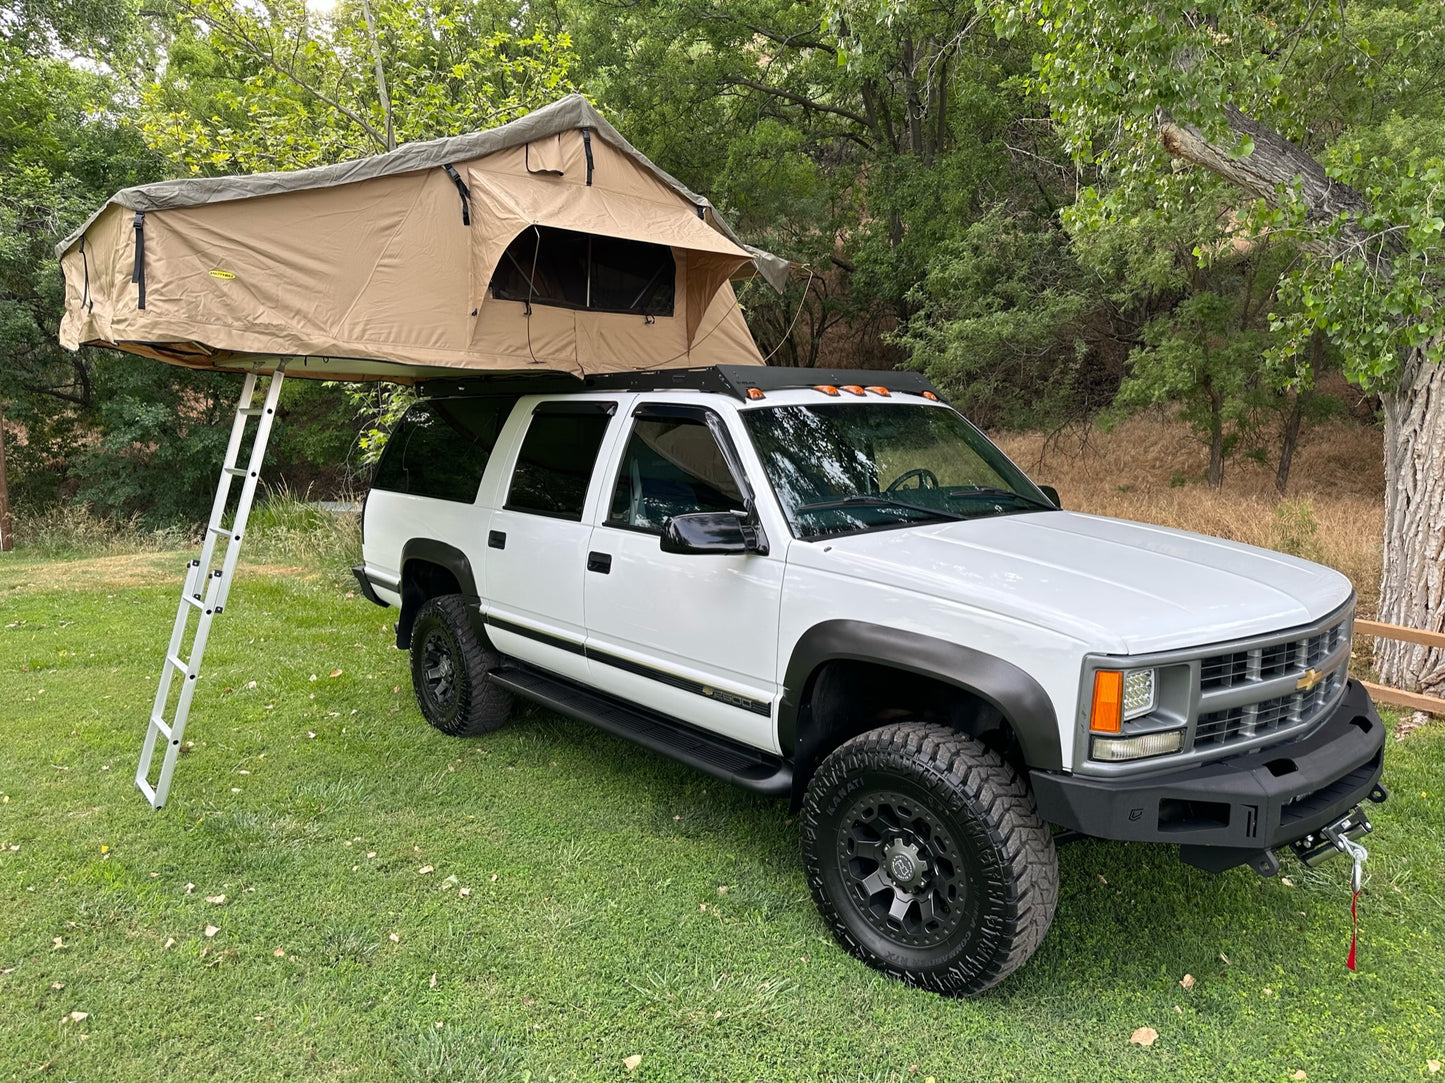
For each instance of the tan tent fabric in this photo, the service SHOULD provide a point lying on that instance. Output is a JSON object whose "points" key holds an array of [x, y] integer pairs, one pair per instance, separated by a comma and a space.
{"points": [[366, 270]]}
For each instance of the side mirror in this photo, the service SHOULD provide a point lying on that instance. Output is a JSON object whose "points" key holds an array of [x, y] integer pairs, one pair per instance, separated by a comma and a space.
{"points": [[705, 532], [1053, 494]]}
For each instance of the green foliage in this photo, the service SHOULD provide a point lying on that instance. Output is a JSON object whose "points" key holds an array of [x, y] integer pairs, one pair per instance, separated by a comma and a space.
{"points": [[1003, 310], [163, 434], [1359, 86], [249, 88]]}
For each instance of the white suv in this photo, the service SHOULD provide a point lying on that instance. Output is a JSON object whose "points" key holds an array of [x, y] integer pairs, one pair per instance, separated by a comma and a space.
{"points": [[829, 586]]}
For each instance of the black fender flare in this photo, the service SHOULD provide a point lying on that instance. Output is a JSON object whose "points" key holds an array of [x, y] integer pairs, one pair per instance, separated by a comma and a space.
{"points": [[444, 556], [1019, 698]]}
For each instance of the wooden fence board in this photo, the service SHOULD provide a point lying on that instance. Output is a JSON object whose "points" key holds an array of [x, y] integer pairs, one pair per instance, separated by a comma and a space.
{"points": [[1394, 631], [1414, 700]]}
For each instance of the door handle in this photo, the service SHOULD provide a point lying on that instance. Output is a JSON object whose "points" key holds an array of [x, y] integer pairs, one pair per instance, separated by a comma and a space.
{"points": [[496, 539], [599, 562]]}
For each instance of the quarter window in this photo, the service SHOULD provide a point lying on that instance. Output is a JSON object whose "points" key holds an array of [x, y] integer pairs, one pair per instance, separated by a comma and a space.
{"points": [[672, 466], [440, 448], [555, 463]]}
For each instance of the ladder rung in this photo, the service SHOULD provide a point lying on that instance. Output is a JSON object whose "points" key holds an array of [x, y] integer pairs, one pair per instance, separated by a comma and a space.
{"points": [[221, 530], [158, 724], [175, 660], [235, 471], [192, 600], [252, 411]]}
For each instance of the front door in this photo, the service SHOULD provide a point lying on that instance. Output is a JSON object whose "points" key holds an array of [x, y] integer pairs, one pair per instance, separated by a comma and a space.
{"points": [[689, 634]]}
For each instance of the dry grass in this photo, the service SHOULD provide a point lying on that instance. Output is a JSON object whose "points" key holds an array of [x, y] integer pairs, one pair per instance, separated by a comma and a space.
{"points": [[1153, 471], [126, 572]]}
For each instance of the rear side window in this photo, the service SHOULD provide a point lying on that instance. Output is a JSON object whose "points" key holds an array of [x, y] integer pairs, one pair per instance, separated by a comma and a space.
{"points": [[555, 463], [440, 448]]}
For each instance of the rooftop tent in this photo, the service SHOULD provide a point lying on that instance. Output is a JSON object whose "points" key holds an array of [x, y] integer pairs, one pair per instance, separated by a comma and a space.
{"points": [[549, 243]]}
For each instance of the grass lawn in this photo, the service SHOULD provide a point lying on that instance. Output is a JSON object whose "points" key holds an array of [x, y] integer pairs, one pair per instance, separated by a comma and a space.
{"points": [[547, 901]]}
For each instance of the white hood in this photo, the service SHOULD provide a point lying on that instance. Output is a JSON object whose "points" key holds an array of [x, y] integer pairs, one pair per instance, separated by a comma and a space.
{"points": [[1120, 587]]}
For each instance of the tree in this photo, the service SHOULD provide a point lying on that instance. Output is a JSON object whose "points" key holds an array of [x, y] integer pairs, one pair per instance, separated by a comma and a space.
{"points": [[248, 88], [1325, 121]]}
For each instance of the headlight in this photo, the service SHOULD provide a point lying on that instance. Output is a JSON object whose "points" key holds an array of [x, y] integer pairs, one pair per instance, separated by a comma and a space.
{"points": [[1120, 696], [1139, 693]]}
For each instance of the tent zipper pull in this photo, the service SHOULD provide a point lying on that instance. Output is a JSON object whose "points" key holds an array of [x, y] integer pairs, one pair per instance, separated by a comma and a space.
{"points": [[138, 271], [463, 191]]}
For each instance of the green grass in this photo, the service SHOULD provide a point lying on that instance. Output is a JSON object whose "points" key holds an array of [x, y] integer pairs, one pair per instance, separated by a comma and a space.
{"points": [[595, 926]]}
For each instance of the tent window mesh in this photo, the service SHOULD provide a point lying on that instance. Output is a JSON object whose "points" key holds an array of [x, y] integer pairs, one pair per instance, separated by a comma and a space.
{"points": [[561, 267]]}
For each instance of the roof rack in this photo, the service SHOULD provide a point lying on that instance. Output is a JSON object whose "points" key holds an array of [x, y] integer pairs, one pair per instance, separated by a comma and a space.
{"points": [[734, 380]]}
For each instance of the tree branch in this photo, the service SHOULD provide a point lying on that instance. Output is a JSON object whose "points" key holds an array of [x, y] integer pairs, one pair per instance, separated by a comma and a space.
{"points": [[1277, 163], [799, 99]]}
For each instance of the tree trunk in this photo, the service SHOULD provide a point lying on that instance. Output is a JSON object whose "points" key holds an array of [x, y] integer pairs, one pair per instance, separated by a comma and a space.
{"points": [[1291, 438], [1296, 415], [1412, 588]]}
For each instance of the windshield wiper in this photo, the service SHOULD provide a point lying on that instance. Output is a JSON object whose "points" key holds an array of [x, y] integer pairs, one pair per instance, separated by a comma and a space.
{"points": [[866, 501], [989, 490]]}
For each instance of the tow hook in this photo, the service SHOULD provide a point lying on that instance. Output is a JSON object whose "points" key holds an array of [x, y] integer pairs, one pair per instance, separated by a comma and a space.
{"points": [[1333, 839]]}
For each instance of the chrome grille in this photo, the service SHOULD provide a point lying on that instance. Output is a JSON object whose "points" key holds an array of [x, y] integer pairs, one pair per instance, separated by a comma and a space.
{"points": [[1253, 689]]}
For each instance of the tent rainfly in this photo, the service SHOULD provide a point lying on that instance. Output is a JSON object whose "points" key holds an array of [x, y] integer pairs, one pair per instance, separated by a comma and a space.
{"points": [[549, 243]]}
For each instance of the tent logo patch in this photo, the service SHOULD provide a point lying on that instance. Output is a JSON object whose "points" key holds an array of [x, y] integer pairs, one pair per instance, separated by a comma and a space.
{"points": [[227, 275]]}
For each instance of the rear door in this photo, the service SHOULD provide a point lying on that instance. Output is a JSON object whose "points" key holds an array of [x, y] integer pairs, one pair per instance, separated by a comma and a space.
{"points": [[537, 541], [693, 635]]}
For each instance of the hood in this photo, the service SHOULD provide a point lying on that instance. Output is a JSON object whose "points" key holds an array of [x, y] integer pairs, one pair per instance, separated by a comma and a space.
{"points": [[1118, 586]]}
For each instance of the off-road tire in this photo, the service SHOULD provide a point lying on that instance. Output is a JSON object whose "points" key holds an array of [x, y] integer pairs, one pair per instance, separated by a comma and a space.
{"points": [[449, 670], [967, 824]]}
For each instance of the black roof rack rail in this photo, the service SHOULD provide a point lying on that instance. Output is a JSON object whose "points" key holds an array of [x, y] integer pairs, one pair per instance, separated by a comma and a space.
{"points": [[734, 380]]}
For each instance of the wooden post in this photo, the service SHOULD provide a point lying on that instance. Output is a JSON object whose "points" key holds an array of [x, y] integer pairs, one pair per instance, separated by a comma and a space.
{"points": [[7, 543]]}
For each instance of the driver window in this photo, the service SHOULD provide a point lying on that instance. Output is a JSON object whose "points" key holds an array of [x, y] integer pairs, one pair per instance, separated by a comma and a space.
{"points": [[671, 467]]}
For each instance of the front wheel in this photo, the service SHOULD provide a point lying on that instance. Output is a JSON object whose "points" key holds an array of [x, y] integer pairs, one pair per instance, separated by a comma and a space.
{"points": [[449, 668], [927, 858]]}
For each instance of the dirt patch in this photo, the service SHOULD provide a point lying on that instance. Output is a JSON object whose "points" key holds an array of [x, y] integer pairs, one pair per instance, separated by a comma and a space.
{"points": [[127, 572]]}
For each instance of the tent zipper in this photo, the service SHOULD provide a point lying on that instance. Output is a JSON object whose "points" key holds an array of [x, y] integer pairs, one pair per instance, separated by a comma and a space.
{"points": [[587, 148]]}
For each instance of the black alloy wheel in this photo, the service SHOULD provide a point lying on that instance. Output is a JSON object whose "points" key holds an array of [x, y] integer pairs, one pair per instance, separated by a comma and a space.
{"points": [[449, 667], [927, 858]]}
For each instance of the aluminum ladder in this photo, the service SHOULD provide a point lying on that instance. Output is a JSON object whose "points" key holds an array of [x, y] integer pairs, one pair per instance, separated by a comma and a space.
{"points": [[205, 590]]}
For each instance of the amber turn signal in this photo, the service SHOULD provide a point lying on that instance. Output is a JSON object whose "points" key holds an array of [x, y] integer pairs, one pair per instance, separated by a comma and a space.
{"points": [[827, 389], [1106, 714]]}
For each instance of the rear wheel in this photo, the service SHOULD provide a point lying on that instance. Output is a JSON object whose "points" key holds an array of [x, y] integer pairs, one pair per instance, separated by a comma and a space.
{"points": [[927, 858], [449, 668]]}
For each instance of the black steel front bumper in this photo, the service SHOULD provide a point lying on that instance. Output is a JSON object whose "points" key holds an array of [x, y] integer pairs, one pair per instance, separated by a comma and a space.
{"points": [[1234, 811]]}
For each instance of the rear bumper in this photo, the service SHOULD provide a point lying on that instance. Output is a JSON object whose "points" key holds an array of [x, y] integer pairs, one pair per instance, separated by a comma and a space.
{"points": [[1234, 811]]}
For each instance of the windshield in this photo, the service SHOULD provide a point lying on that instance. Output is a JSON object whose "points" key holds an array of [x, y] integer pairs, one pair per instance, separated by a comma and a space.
{"points": [[842, 468]]}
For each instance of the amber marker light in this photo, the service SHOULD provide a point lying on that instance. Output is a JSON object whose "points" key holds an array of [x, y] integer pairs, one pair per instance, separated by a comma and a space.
{"points": [[853, 389], [827, 389], [879, 390], [1107, 712], [754, 393], [930, 396]]}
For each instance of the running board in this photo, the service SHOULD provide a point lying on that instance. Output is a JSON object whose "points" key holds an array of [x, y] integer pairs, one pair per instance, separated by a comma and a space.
{"points": [[717, 756]]}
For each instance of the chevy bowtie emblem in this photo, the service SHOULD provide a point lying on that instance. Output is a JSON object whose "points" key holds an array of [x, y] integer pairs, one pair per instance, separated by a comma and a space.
{"points": [[1311, 678]]}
